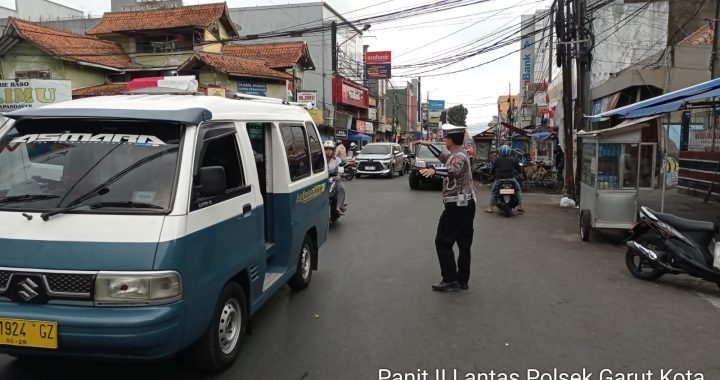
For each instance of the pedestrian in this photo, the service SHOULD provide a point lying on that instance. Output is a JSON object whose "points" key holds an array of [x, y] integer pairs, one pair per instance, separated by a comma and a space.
{"points": [[559, 160], [456, 221], [340, 151]]}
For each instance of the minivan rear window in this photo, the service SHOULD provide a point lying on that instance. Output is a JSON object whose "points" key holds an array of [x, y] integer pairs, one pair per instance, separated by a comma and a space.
{"points": [[296, 149]]}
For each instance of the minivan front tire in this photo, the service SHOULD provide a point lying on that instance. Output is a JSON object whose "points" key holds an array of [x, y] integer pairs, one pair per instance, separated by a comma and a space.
{"points": [[217, 350]]}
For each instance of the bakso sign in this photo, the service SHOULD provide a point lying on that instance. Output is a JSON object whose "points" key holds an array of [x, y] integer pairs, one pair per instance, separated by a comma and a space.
{"points": [[23, 93]]}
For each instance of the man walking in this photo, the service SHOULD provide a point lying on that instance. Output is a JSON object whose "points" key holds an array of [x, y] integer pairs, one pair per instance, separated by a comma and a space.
{"points": [[456, 222], [340, 151]]}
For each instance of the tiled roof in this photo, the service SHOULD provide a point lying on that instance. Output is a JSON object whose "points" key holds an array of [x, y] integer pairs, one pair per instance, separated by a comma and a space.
{"points": [[70, 46], [166, 18], [702, 36], [277, 55], [101, 89], [236, 66]]}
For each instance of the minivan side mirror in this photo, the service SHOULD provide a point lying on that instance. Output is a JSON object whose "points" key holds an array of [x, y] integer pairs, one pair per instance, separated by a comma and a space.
{"points": [[212, 181], [411, 155]]}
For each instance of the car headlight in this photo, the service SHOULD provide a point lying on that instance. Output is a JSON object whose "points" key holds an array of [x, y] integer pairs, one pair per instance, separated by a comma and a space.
{"points": [[420, 164], [137, 288]]}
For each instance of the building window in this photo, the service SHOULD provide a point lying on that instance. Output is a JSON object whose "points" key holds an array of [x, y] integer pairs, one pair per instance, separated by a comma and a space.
{"points": [[33, 74]]}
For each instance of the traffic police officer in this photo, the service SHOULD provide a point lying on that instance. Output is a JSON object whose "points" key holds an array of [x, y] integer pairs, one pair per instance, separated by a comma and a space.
{"points": [[456, 222]]}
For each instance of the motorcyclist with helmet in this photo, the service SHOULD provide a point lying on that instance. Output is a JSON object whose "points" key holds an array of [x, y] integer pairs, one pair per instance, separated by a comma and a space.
{"points": [[505, 167], [334, 162]]}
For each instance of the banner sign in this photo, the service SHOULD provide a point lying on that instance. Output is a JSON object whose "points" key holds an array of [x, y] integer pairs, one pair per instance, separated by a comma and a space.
{"points": [[360, 126], [436, 105], [378, 65], [15, 95], [372, 113], [307, 97], [252, 88]]}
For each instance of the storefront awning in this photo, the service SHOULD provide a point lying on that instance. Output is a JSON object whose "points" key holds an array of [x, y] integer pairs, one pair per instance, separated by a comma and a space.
{"points": [[628, 125], [671, 102], [357, 136]]}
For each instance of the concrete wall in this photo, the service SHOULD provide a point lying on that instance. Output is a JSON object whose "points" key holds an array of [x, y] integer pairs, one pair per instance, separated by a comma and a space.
{"points": [[639, 37], [7, 12], [44, 10], [25, 57], [78, 26], [161, 59], [682, 11], [128, 5]]}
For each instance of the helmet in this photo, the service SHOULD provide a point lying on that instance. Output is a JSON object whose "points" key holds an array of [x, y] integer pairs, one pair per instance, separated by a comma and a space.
{"points": [[353, 145], [328, 145], [505, 150]]}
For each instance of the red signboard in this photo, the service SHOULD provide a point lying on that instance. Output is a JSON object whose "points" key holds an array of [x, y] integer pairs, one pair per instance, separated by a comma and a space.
{"points": [[350, 93], [360, 126], [377, 57]]}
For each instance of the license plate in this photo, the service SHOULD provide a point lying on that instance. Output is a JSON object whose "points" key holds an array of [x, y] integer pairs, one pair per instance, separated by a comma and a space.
{"points": [[507, 191], [369, 168], [23, 333]]}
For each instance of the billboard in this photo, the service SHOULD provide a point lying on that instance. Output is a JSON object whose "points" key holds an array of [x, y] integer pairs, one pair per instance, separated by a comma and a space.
{"points": [[436, 105], [23, 93], [378, 65]]}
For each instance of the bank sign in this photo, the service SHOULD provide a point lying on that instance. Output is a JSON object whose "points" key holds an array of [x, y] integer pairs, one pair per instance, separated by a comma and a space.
{"points": [[24, 93], [527, 51]]}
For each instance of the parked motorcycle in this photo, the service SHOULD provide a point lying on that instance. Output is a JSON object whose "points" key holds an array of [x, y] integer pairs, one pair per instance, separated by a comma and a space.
{"points": [[664, 243], [506, 199], [483, 172], [334, 177]]}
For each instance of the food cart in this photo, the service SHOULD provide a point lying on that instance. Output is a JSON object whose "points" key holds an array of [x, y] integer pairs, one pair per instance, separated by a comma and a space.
{"points": [[609, 177]]}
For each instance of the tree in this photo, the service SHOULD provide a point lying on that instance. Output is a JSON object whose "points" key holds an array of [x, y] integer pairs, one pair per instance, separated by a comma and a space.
{"points": [[457, 115]]}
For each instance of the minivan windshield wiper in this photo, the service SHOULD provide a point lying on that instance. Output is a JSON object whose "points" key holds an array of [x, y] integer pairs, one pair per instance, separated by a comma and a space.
{"points": [[128, 204], [27, 198], [102, 189]]}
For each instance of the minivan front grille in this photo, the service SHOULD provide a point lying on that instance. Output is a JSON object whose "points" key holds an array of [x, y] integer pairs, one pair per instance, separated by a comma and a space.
{"points": [[70, 283], [4, 279], [57, 284]]}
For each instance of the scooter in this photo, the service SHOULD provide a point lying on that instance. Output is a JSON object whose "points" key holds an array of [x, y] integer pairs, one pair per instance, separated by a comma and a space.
{"points": [[484, 172], [664, 243], [334, 177], [507, 198]]}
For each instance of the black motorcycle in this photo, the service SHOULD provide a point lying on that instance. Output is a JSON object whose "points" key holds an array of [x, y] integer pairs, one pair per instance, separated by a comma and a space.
{"points": [[350, 169], [664, 243], [506, 199]]}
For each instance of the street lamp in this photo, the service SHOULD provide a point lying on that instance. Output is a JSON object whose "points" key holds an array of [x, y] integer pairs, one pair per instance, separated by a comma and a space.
{"points": [[365, 28]]}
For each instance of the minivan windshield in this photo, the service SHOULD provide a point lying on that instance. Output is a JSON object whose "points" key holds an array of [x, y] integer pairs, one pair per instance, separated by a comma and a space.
{"points": [[376, 149], [424, 152], [47, 164]]}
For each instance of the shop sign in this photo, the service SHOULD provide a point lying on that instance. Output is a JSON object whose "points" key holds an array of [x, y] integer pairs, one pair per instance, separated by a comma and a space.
{"points": [[378, 65], [360, 126], [436, 105], [252, 88], [307, 97], [317, 115], [341, 133], [15, 95], [346, 92], [372, 113]]}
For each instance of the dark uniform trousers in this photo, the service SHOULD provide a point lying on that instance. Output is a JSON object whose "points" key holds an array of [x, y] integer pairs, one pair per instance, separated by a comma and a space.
{"points": [[455, 226]]}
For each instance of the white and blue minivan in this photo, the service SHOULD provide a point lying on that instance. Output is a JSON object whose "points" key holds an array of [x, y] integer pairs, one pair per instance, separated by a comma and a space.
{"points": [[140, 226]]}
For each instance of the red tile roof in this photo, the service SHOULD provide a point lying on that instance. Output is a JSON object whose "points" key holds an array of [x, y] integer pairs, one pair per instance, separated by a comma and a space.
{"points": [[277, 54], [236, 66], [101, 89], [70, 46], [167, 18], [702, 36]]}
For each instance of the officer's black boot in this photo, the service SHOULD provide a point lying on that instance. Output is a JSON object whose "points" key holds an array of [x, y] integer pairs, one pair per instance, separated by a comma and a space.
{"points": [[445, 286]]}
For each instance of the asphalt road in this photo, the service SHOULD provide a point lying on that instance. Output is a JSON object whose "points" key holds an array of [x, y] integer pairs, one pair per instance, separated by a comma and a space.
{"points": [[539, 298]]}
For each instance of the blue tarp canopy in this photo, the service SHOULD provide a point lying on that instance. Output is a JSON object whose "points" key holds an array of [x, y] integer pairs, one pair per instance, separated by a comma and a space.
{"points": [[541, 136], [357, 136], [671, 102]]}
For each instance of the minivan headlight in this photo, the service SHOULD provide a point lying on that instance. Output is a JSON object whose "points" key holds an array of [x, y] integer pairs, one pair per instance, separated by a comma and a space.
{"points": [[137, 288]]}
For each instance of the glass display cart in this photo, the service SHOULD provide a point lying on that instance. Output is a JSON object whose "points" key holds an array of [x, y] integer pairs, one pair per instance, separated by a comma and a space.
{"points": [[609, 178]]}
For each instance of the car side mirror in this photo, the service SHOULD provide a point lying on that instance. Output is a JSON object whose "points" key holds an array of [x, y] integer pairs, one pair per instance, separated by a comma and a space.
{"points": [[212, 181]]}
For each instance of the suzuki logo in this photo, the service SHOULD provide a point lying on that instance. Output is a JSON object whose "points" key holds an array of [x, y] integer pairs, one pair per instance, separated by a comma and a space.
{"points": [[27, 289]]}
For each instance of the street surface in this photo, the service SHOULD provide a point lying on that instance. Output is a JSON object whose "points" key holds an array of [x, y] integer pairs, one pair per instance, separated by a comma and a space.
{"points": [[539, 298]]}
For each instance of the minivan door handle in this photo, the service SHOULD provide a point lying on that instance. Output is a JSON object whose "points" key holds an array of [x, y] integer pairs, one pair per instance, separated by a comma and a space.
{"points": [[247, 208]]}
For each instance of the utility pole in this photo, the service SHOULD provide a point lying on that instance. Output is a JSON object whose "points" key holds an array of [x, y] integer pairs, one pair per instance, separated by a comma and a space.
{"points": [[564, 20], [582, 61], [714, 61], [333, 43]]}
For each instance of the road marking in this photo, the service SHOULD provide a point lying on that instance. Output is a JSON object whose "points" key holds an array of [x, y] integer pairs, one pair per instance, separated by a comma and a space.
{"points": [[713, 300]]}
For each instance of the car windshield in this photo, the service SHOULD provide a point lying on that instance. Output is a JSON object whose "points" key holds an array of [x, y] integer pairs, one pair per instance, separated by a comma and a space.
{"points": [[376, 149], [47, 163], [425, 153]]}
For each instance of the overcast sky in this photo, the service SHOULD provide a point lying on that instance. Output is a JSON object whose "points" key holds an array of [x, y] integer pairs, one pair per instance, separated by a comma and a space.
{"points": [[474, 87]]}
